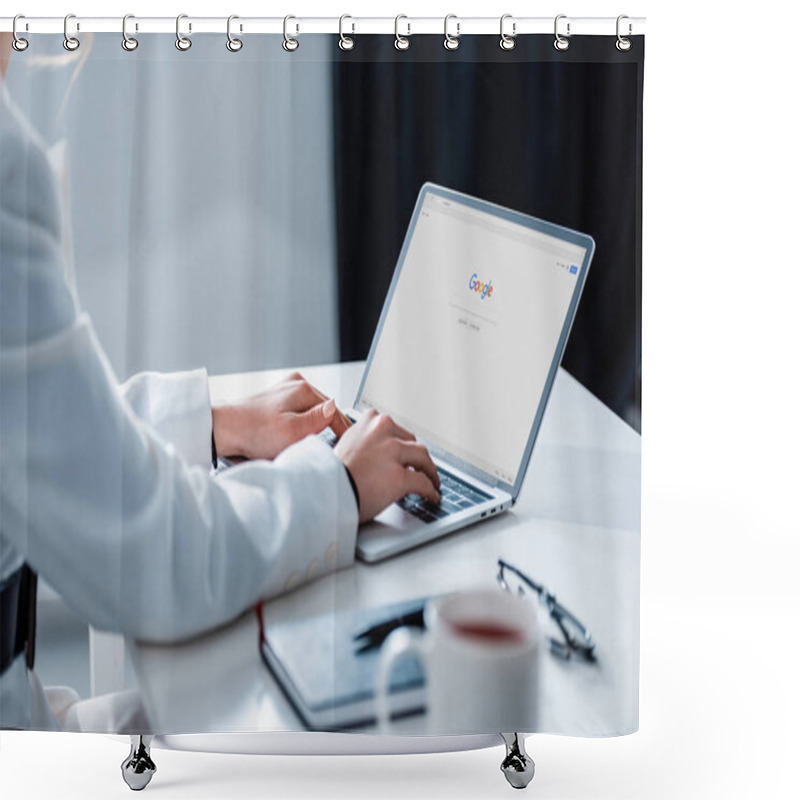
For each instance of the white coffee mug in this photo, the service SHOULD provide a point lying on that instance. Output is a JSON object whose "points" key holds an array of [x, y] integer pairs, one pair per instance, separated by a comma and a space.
{"points": [[480, 653]]}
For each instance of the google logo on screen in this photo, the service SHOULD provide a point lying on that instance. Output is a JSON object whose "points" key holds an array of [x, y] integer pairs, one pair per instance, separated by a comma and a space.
{"points": [[479, 287]]}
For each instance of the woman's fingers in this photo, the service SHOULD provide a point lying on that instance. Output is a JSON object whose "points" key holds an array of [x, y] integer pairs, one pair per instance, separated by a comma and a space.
{"points": [[305, 396], [416, 455], [417, 482], [340, 423]]}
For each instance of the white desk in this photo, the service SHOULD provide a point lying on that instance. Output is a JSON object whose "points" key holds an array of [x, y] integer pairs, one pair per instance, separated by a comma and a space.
{"points": [[575, 528]]}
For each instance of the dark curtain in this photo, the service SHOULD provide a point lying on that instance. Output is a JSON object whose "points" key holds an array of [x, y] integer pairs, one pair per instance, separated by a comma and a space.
{"points": [[554, 134]]}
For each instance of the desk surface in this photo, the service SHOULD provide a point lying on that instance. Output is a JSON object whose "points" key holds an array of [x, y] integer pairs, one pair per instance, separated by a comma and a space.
{"points": [[575, 528]]}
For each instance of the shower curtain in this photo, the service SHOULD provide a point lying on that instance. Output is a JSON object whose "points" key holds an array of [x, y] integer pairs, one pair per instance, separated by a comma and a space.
{"points": [[177, 221]]}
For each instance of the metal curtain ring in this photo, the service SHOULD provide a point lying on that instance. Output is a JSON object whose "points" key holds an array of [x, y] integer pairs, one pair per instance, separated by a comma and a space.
{"points": [[401, 42], [561, 42], [182, 42], [451, 42], [233, 44], [70, 42], [346, 42], [289, 44], [623, 44], [507, 42], [19, 44], [128, 42]]}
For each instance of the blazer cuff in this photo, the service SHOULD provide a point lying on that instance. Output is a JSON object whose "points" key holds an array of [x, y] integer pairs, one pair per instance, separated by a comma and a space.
{"points": [[177, 406]]}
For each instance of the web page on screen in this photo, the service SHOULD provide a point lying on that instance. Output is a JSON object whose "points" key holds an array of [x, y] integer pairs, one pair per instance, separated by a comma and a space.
{"points": [[471, 332]]}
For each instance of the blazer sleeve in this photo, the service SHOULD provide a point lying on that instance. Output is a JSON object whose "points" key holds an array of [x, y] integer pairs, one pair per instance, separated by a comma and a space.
{"points": [[128, 527]]}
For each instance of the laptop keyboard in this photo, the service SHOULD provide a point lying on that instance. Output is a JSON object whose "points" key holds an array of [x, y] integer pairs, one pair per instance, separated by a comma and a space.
{"points": [[456, 496]]}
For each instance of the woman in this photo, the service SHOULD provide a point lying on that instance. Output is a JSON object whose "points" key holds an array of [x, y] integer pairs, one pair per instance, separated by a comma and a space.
{"points": [[106, 492]]}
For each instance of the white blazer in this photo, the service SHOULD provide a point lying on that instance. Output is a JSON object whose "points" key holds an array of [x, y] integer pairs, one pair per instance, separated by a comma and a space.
{"points": [[106, 491]]}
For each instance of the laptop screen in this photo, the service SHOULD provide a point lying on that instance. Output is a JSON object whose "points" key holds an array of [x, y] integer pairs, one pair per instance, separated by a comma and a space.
{"points": [[473, 329]]}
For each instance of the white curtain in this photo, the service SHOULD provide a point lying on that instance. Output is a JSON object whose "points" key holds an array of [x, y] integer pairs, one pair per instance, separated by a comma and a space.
{"points": [[189, 248]]}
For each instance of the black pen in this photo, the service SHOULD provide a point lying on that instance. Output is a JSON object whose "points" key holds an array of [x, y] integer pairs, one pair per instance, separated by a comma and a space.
{"points": [[375, 635]]}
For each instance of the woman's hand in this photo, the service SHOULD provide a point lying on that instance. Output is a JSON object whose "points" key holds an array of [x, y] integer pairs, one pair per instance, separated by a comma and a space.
{"points": [[264, 425], [387, 463]]}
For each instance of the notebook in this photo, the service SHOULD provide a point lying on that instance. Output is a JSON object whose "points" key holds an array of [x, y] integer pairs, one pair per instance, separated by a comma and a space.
{"points": [[330, 685]]}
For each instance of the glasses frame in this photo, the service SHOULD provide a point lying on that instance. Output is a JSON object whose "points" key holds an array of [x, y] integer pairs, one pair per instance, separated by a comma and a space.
{"points": [[580, 642]]}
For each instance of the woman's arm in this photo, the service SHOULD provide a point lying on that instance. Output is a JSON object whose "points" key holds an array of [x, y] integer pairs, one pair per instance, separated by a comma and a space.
{"points": [[133, 536]]}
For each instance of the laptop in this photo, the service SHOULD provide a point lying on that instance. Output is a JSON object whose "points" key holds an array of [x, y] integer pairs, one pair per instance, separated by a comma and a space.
{"points": [[466, 350]]}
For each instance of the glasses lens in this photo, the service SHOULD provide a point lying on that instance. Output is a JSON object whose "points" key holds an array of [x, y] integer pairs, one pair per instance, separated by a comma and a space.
{"points": [[511, 582], [573, 636], [577, 636]]}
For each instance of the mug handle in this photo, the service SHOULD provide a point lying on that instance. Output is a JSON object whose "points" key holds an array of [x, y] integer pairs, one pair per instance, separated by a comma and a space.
{"points": [[401, 642]]}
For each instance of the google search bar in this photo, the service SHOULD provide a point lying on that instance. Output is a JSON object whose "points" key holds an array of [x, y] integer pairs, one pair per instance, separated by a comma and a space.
{"points": [[511, 230]]}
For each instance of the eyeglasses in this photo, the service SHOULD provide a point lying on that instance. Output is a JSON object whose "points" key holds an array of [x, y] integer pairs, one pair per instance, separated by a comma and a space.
{"points": [[575, 635]]}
